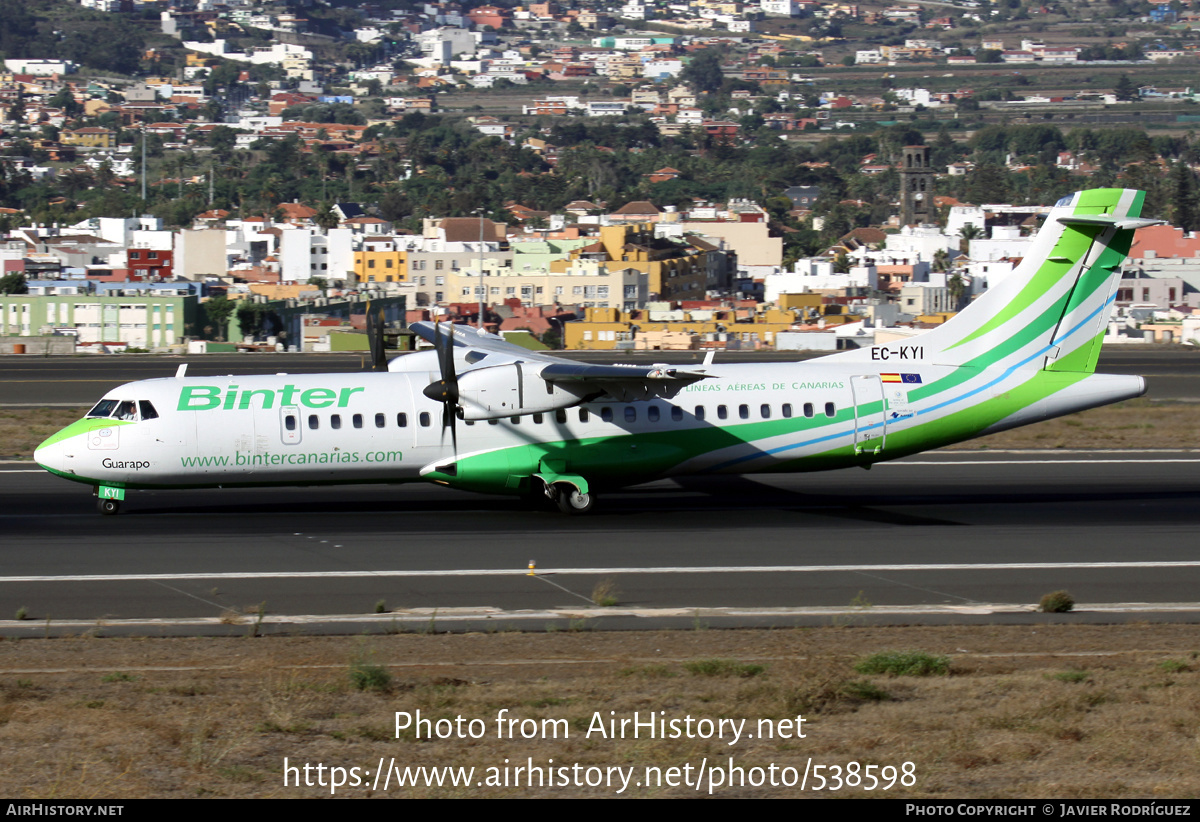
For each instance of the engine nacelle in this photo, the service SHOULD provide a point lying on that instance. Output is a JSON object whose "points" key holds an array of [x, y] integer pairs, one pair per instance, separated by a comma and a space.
{"points": [[510, 390]]}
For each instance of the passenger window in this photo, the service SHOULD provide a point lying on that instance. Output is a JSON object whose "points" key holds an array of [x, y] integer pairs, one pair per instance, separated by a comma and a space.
{"points": [[493, 422], [765, 410], [402, 420], [676, 413], [148, 412], [786, 410], [829, 409], [538, 419], [630, 414], [808, 410], [469, 422], [380, 420], [335, 422], [652, 413], [289, 422], [744, 412], [357, 420], [699, 412], [560, 416], [313, 422], [722, 412], [606, 414], [583, 415], [424, 419], [515, 420]]}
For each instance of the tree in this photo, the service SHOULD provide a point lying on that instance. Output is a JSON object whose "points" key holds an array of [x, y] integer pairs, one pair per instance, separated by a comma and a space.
{"points": [[222, 140], [957, 286], [251, 316], [218, 310], [1183, 198], [63, 99], [968, 232], [1125, 89], [703, 73], [13, 283]]}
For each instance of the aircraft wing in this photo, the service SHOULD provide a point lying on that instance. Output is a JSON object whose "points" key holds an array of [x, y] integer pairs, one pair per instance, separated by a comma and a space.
{"points": [[497, 348], [493, 360]]}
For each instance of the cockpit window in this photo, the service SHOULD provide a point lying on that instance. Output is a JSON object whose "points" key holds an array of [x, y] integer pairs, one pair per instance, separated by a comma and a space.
{"points": [[126, 410], [147, 409], [104, 408]]}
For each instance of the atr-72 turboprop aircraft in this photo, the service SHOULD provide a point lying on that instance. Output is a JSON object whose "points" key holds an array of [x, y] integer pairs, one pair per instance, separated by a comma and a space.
{"points": [[527, 423]]}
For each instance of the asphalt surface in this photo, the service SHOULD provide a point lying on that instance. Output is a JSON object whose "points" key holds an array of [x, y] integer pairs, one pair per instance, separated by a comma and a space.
{"points": [[1172, 372], [951, 537], [936, 538]]}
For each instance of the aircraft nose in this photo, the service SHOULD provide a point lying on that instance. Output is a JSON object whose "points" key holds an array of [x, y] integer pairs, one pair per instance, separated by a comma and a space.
{"points": [[48, 455], [52, 454]]}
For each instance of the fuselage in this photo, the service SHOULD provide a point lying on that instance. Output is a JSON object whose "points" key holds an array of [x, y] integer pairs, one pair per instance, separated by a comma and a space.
{"points": [[380, 427]]}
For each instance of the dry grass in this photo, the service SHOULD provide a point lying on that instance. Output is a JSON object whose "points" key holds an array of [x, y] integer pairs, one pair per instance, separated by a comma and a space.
{"points": [[23, 429], [1135, 424], [1047, 711]]}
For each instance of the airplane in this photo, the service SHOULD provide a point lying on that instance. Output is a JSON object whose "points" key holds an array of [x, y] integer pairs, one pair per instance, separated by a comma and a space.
{"points": [[481, 414]]}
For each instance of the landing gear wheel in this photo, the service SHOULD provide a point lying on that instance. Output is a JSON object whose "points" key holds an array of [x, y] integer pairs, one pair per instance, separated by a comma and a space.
{"points": [[571, 502], [108, 507]]}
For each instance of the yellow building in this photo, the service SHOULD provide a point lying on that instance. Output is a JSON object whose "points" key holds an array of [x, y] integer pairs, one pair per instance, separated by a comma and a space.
{"points": [[89, 138], [380, 266], [673, 272], [602, 329]]}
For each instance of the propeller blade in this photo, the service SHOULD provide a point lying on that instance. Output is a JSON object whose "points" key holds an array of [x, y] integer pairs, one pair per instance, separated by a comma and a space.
{"points": [[445, 390], [375, 328]]}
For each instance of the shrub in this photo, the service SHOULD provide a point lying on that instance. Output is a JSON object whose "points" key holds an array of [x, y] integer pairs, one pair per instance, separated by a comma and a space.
{"points": [[904, 663], [605, 594], [1057, 602], [367, 677], [722, 667]]}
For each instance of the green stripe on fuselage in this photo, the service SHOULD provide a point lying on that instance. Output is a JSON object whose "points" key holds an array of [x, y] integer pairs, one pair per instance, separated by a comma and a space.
{"points": [[961, 374], [83, 426]]}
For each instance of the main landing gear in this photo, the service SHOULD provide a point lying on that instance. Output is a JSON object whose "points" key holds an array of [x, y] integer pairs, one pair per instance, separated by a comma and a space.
{"points": [[565, 496], [572, 502]]}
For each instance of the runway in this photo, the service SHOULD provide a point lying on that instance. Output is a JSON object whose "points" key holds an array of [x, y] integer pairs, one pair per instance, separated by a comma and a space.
{"points": [[965, 536]]}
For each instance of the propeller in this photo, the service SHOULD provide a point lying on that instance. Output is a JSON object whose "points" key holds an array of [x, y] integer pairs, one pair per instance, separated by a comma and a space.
{"points": [[445, 390], [375, 328]]}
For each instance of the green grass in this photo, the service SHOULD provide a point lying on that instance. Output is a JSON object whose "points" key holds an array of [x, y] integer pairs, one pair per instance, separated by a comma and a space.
{"points": [[722, 667], [904, 663]]}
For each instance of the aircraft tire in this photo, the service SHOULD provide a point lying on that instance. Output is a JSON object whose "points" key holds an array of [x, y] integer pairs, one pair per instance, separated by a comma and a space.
{"points": [[573, 503], [108, 507]]}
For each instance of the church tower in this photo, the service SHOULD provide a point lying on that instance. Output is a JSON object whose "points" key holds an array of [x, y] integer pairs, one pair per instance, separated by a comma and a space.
{"points": [[916, 187]]}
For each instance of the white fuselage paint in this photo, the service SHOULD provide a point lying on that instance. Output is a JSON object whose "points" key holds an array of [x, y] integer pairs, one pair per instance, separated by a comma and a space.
{"points": [[246, 440]]}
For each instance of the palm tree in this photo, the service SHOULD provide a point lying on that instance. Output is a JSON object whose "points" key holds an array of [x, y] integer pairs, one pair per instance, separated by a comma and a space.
{"points": [[956, 284], [968, 232]]}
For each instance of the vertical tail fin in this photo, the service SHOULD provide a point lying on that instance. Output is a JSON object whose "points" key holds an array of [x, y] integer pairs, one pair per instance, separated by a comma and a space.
{"points": [[1050, 312]]}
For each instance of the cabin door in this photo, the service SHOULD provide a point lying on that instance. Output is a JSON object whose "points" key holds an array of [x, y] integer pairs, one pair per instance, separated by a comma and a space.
{"points": [[870, 414]]}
